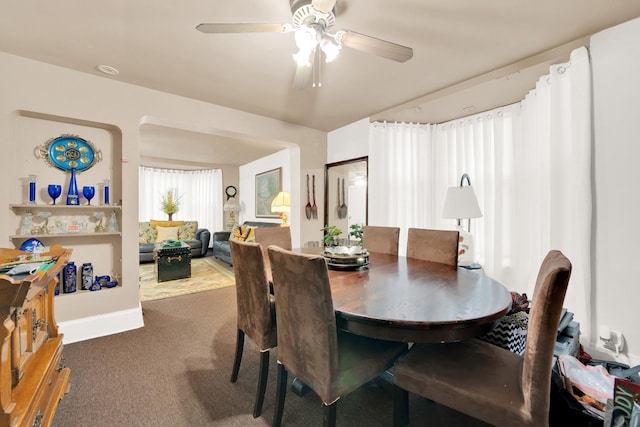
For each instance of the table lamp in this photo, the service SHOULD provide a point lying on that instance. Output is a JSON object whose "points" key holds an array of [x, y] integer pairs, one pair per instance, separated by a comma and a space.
{"points": [[231, 206], [282, 204], [461, 203]]}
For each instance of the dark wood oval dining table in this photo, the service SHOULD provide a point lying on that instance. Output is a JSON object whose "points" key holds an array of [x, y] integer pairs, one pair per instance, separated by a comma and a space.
{"points": [[404, 299]]}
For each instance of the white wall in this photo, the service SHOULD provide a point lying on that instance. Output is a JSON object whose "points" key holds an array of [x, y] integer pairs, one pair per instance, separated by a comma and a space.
{"points": [[246, 198], [616, 80], [71, 98], [348, 142], [616, 76]]}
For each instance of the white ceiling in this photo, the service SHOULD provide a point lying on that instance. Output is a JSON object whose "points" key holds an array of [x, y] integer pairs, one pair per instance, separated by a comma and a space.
{"points": [[499, 48]]}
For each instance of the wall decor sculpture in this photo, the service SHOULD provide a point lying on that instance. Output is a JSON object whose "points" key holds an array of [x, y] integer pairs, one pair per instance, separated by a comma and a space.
{"points": [[69, 153]]}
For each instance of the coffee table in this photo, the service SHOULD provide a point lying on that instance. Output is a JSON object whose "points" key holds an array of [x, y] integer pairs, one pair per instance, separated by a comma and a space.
{"points": [[172, 262]]}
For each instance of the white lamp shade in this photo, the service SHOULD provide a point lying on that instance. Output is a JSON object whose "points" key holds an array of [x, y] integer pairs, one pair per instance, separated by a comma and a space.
{"points": [[460, 203], [281, 203], [230, 205]]}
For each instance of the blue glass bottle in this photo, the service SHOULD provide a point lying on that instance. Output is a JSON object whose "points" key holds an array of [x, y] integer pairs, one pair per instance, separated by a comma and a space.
{"points": [[106, 192], [72, 195], [32, 189], [87, 276], [70, 278], [59, 280]]}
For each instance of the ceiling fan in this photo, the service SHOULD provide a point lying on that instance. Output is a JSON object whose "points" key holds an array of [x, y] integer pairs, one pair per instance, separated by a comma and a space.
{"points": [[312, 24]]}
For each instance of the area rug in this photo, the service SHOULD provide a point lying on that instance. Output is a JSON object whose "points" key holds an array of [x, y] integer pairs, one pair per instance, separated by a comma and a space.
{"points": [[206, 275]]}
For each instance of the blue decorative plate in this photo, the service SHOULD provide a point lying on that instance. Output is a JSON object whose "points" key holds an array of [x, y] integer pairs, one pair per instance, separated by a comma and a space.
{"points": [[30, 245], [68, 152]]}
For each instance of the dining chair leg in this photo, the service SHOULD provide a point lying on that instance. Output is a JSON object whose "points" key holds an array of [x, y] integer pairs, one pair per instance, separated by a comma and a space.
{"points": [[238, 357], [329, 414], [262, 383], [400, 407], [281, 391]]}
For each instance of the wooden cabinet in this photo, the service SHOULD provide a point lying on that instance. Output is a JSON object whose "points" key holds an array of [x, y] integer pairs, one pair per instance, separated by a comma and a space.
{"points": [[33, 377]]}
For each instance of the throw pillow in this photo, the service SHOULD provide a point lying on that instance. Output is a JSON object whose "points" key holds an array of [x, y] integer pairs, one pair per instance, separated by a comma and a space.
{"points": [[162, 223], [240, 233], [187, 231], [146, 234], [235, 227], [167, 233], [251, 234], [234, 231]]}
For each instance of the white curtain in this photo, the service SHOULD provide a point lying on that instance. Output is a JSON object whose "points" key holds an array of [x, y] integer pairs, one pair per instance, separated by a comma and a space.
{"points": [[554, 163], [400, 191], [530, 165], [200, 193]]}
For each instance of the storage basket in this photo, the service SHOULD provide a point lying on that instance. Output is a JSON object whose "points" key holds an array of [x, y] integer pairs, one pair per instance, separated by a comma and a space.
{"points": [[510, 333]]}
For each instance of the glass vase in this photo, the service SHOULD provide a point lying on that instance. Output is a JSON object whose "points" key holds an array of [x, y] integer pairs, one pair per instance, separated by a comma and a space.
{"points": [[72, 195]]}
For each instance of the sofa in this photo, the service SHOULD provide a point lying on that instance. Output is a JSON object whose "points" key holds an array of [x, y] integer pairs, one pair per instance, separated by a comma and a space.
{"points": [[220, 245], [154, 231]]}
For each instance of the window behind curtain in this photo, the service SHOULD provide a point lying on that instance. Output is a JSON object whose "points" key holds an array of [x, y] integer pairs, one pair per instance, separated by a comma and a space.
{"points": [[530, 165], [200, 193]]}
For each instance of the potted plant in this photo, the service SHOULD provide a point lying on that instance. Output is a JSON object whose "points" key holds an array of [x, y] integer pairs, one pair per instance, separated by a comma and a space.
{"points": [[335, 246], [331, 233], [356, 232], [170, 203]]}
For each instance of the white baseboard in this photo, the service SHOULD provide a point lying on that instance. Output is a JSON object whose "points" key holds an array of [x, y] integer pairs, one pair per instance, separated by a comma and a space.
{"points": [[102, 325]]}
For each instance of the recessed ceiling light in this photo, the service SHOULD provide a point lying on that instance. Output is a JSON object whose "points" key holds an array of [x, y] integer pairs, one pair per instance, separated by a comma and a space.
{"points": [[108, 69]]}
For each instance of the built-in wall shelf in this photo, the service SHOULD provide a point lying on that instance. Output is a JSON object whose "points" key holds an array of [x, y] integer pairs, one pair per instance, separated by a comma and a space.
{"points": [[80, 209], [86, 291], [59, 235], [51, 221], [82, 228]]}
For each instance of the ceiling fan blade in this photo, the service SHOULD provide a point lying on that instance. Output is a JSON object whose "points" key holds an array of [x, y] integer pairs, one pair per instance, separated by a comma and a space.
{"points": [[324, 6], [377, 46], [243, 28]]}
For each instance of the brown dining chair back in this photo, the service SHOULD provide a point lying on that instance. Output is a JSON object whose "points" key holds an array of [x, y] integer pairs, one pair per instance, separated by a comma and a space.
{"points": [[485, 381], [279, 236], [256, 311], [310, 346], [433, 245], [381, 239]]}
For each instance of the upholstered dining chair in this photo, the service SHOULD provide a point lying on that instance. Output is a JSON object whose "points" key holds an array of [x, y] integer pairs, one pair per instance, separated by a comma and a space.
{"points": [[310, 346], [381, 239], [279, 236], [256, 311], [485, 381], [433, 245]]}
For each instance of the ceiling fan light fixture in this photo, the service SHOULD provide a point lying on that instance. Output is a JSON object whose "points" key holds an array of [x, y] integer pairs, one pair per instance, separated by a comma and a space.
{"points": [[312, 23], [302, 57], [306, 38], [330, 49]]}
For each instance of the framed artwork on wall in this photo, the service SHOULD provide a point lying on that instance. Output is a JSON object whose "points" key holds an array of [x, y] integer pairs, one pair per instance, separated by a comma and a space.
{"points": [[268, 185]]}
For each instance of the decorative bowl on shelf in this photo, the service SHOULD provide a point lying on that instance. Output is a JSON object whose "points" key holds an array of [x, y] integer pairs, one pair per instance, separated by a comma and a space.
{"points": [[31, 245]]}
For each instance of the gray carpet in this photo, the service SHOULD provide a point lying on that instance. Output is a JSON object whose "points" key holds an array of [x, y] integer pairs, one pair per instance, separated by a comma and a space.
{"points": [[175, 372]]}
